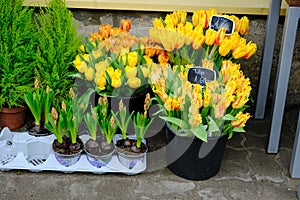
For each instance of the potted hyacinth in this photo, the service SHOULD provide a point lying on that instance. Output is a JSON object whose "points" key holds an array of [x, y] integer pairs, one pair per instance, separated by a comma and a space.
{"points": [[39, 102], [64, 125], [201, 90], [132, 148], [100, 148]]}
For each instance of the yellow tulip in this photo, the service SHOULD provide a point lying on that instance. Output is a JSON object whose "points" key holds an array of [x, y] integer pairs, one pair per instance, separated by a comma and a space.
{"points": [[77, 62], [148, 59], [235, 39], [200, 18], [236, 21], [243, 25], [220, 36], [111, 72], [89, 74], [101, 83], [132, 58], [134, 82], [209, 13], [130, 71], [210, 37], [240, 50], [198, 42], [225, 47], [87, 57], [145, 71], [206, 98], [101, 66], [116, 82], [158, 23], [97, 53], [83, 67], [241, 120], [206, 63], [251, 49]]}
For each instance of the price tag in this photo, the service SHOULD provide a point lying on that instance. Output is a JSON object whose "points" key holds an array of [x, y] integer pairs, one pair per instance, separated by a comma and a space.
{"points": [[217, 22], [200, 75]]}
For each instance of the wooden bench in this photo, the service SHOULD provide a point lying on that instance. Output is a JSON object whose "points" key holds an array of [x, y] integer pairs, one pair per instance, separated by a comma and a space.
{"points": [[252, 7]]}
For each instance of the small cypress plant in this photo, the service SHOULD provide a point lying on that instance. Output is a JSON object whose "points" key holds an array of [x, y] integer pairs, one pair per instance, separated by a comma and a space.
{"points": [[17, 52], [57, 47]]}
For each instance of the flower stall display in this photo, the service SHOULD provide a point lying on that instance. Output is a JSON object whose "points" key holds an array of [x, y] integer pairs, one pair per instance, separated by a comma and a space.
{"points": [[188, 65], [201, 90]]}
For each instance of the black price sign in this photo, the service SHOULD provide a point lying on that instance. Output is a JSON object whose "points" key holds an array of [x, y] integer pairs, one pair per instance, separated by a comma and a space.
{"points": [[200, 75], [217, 22]]}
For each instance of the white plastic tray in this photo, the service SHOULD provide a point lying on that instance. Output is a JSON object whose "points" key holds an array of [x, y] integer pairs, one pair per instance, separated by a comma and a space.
{"points": [[15, 147]]}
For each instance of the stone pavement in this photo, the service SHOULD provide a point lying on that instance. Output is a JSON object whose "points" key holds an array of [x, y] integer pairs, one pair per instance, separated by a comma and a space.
{"points": [[247, 172]]}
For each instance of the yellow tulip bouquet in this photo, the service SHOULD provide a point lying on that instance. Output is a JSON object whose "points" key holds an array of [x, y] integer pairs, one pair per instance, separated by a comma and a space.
{"points": [[213, 106], [190, 42], [115, 62]]}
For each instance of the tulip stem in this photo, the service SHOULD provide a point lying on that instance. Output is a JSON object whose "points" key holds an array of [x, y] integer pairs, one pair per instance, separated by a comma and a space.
{"points": [[212, 51]]}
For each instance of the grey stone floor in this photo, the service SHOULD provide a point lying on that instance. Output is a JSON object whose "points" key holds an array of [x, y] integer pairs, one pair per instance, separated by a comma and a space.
{"points": [[247, 172]]}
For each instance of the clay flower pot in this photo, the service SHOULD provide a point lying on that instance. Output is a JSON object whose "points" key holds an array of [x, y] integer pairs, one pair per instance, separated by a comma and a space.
{"points": [[13, 118]]}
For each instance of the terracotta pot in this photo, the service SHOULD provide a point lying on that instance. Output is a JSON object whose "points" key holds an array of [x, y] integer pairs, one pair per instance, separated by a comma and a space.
{"points": [[13, 118]]}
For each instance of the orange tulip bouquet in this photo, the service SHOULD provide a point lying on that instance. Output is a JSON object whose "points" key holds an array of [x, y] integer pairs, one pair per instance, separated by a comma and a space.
{"points": [[200, 87]]}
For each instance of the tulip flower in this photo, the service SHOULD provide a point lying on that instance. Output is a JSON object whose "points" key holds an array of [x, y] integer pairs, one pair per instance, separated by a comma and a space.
{"points": [[241, 120], [130, 71], [225, 47], [110, 70], [220, 36], [200, 18], [89, 74], [116, 82], [101, 66], [158, 23], [243, 25], [198, 42], [134, 82], [125, 25], [163, 58], [101, 83], [132, 58], [210, 37], [82, 68], [251, 49], [104, 30]]}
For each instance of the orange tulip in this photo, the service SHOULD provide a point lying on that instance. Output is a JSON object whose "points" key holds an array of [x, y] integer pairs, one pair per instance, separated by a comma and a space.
{"points": [[104, 30], [163, 58], [125, 24]]}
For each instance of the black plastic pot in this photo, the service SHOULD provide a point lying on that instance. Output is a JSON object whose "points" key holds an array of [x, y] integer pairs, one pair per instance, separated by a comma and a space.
{"points": [[193, 159]]}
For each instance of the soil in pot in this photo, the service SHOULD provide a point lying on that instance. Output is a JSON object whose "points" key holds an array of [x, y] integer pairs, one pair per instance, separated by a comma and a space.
{"points": [[99, 147], [38, 130], [128, 146], [66, 147], [99, 153]]}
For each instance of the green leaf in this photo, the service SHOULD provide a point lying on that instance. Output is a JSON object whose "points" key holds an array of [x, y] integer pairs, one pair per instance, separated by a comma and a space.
{"points": [[229, 117], [241, 130], [180, 123]]}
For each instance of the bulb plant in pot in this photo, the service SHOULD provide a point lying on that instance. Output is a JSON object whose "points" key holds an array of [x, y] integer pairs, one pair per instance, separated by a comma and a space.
{"points": [[17, 57], [100, 149], [39, 103], [131, 148], [202, 92], [64, 125]]}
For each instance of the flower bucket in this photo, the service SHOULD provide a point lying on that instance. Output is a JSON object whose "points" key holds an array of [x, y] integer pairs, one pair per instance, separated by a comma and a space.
{"points": [[199, 161]]}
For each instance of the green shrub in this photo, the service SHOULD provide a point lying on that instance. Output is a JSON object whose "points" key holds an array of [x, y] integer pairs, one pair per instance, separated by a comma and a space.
{"points": [[17, 52], [57, 47]]}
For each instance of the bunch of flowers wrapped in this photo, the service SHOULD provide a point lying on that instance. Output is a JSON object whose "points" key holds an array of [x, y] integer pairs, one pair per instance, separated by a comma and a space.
{"points": [[213, 107], [203, 111], [189, 42], [115, 62]]}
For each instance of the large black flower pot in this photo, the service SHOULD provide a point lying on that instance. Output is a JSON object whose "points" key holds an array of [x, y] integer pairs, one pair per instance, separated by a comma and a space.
{"points": [[193, 159]]}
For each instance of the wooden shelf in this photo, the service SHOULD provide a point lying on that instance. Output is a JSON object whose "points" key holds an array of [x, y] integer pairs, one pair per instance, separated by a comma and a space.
{"points": [[250, 7]]}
